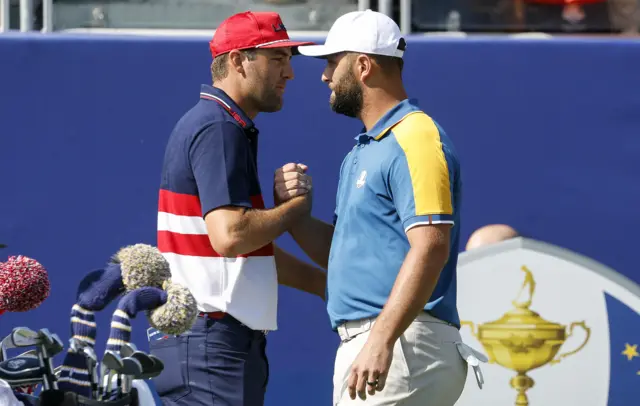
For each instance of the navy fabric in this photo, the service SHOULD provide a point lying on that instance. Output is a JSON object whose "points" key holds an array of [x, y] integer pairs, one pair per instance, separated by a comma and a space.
{"points": [[212, 153], [219, 362]]}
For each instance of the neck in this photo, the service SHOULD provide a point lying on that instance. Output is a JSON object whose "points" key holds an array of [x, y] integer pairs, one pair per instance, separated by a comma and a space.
{"points": [[234, 92], [380, 102]]}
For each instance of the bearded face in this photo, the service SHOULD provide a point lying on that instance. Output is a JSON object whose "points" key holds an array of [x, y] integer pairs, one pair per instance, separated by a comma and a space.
{"points": [[347, 97]]}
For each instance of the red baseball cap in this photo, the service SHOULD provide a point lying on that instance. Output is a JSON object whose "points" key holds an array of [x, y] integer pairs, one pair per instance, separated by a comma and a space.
{"points": [[251, 30]]}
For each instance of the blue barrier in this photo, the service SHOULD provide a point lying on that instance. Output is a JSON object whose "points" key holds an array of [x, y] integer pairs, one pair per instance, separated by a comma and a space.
{"points": [[547, 132]]}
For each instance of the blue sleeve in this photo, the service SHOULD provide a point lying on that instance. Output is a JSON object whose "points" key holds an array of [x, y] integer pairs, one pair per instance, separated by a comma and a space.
{"points": [[219, 157]]}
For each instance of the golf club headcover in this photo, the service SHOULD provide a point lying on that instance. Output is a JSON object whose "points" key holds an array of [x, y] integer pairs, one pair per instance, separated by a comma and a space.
{"points": [[141, 299], [100, 287], [178, 314], [142, 265], [24, 284], [95, 291], [74, 375]]}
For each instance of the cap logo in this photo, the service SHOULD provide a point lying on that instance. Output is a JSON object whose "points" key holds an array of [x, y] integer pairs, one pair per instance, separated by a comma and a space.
{"points": [[402, 45], [278, 27]]}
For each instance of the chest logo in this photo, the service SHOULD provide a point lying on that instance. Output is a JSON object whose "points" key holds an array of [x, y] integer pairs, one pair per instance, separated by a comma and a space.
{"points": [[361, 180]]}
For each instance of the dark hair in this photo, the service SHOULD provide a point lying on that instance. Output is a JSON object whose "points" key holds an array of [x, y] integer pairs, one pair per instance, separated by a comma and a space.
{"points": [[219, 68], [388, 63]]}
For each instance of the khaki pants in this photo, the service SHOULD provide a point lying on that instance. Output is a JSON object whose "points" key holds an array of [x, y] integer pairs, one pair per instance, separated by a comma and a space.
{"points": [[426, 370]]}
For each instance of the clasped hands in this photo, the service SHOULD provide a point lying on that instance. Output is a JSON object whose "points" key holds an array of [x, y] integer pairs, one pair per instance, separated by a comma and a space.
{"points": [[291, 181]]}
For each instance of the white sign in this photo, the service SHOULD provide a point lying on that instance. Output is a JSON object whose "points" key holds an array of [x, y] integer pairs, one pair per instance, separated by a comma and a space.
{"points": [[557, 336]]}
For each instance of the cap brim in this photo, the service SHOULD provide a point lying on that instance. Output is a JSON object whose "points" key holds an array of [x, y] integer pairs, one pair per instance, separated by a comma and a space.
{"points": [[318, 51], [286, 44]]}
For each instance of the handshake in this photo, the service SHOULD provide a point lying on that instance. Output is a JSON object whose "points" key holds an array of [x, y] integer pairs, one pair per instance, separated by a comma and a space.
{"points": [[292, 182]]}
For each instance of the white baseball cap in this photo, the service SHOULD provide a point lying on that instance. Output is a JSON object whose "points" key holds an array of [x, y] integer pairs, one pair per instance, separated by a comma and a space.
{"points": [[368, 32]]}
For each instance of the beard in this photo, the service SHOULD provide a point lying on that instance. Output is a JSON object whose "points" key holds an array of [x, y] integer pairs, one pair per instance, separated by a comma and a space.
{"points": [[347, 96], [269, 101], [264, 97]]}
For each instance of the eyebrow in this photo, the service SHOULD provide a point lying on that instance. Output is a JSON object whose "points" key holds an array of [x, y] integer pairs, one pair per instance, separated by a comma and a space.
{"points": [[281, 53]]}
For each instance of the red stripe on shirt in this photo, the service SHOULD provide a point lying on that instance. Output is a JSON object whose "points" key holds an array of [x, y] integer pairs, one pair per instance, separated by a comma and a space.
{"points": [[257, 202], [179, 204], [199, 245], [182, 204]]}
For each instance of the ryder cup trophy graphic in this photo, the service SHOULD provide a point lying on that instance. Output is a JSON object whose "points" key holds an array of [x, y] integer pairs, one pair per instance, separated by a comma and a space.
{"points": [[521, 340]]}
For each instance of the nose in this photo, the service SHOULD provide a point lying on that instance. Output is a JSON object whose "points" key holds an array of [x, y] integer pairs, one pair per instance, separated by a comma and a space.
{"points": [[327, 74], [288, 71]]}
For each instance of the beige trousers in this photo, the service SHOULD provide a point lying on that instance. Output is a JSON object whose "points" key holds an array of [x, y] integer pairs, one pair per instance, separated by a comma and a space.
{"points": [[426, 370]]}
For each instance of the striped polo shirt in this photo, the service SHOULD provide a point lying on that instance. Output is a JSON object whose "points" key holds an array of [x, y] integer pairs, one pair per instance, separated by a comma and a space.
{"points": [[210, 162]]}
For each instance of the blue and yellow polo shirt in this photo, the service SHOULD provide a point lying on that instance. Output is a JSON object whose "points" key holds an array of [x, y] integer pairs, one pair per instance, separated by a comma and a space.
{"points": [[402, 173]]}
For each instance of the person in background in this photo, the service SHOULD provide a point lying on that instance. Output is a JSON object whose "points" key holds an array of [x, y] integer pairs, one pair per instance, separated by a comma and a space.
{"points": [[490, 234]]}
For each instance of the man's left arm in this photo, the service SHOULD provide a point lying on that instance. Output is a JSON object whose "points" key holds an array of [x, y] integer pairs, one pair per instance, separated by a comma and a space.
{"points": [[415, 282], [298, 274], [420, 186]]}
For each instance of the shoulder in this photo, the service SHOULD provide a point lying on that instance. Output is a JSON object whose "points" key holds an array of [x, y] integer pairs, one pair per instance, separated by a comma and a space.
{"points": [[420, 134], [220, 128], [416, 129], [205, 119]]}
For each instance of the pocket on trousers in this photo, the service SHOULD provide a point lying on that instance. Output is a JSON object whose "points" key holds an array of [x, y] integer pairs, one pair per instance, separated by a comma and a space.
{"points": [[172, 383]]}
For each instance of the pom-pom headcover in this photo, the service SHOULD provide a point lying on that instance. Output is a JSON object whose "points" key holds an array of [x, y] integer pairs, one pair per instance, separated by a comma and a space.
{"points": [[142, 265], [178, 314], [24, 284]]}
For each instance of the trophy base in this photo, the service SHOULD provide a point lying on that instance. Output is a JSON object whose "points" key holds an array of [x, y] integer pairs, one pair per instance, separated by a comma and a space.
{"points": [[521, 383]]}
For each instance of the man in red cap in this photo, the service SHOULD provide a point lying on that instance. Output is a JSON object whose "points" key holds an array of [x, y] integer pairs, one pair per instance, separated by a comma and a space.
{"points": [[214, 230]]}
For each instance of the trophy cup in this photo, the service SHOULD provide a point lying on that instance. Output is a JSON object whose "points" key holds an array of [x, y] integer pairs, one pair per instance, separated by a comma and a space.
{"points": [[521, 340]]}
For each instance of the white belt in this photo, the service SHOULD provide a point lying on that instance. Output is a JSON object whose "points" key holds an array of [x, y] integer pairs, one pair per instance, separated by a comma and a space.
{"points": [[473, 358], [350, 329]]}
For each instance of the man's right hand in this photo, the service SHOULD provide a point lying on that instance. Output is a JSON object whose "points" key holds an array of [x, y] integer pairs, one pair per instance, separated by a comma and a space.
{"points": [[290, 181]]}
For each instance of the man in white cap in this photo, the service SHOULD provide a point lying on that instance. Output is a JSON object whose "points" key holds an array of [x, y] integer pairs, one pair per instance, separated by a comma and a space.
{"points": [[391, 289]]}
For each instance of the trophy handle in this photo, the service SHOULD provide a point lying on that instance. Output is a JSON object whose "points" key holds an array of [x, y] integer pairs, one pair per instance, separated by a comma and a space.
{"points": [[472, 327], [574, 324]]}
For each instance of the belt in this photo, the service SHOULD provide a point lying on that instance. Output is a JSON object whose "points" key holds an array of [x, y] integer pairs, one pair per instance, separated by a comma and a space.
{"points": [[350, 329], [212, 315], [220, 315]]}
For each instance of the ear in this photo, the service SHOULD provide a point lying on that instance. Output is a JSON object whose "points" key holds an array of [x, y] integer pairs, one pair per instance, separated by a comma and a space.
{"points": [[363, 67], [235, 61]]}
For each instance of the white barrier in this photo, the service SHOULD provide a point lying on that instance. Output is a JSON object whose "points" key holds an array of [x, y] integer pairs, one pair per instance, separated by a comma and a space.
{"points": [[26, 15]]}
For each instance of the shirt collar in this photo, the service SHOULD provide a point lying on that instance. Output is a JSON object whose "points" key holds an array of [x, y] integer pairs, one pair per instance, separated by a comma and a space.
{"points": [[218, 95], [390, 119]]}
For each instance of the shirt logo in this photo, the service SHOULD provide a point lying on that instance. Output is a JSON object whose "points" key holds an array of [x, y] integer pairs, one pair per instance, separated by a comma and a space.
{"points": [[361, 180]]}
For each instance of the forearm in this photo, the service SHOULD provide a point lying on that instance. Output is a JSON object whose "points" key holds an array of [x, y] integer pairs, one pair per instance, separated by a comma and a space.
{"points": [[314, 237], [257, 228], [410, 293], [299, 275]]}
